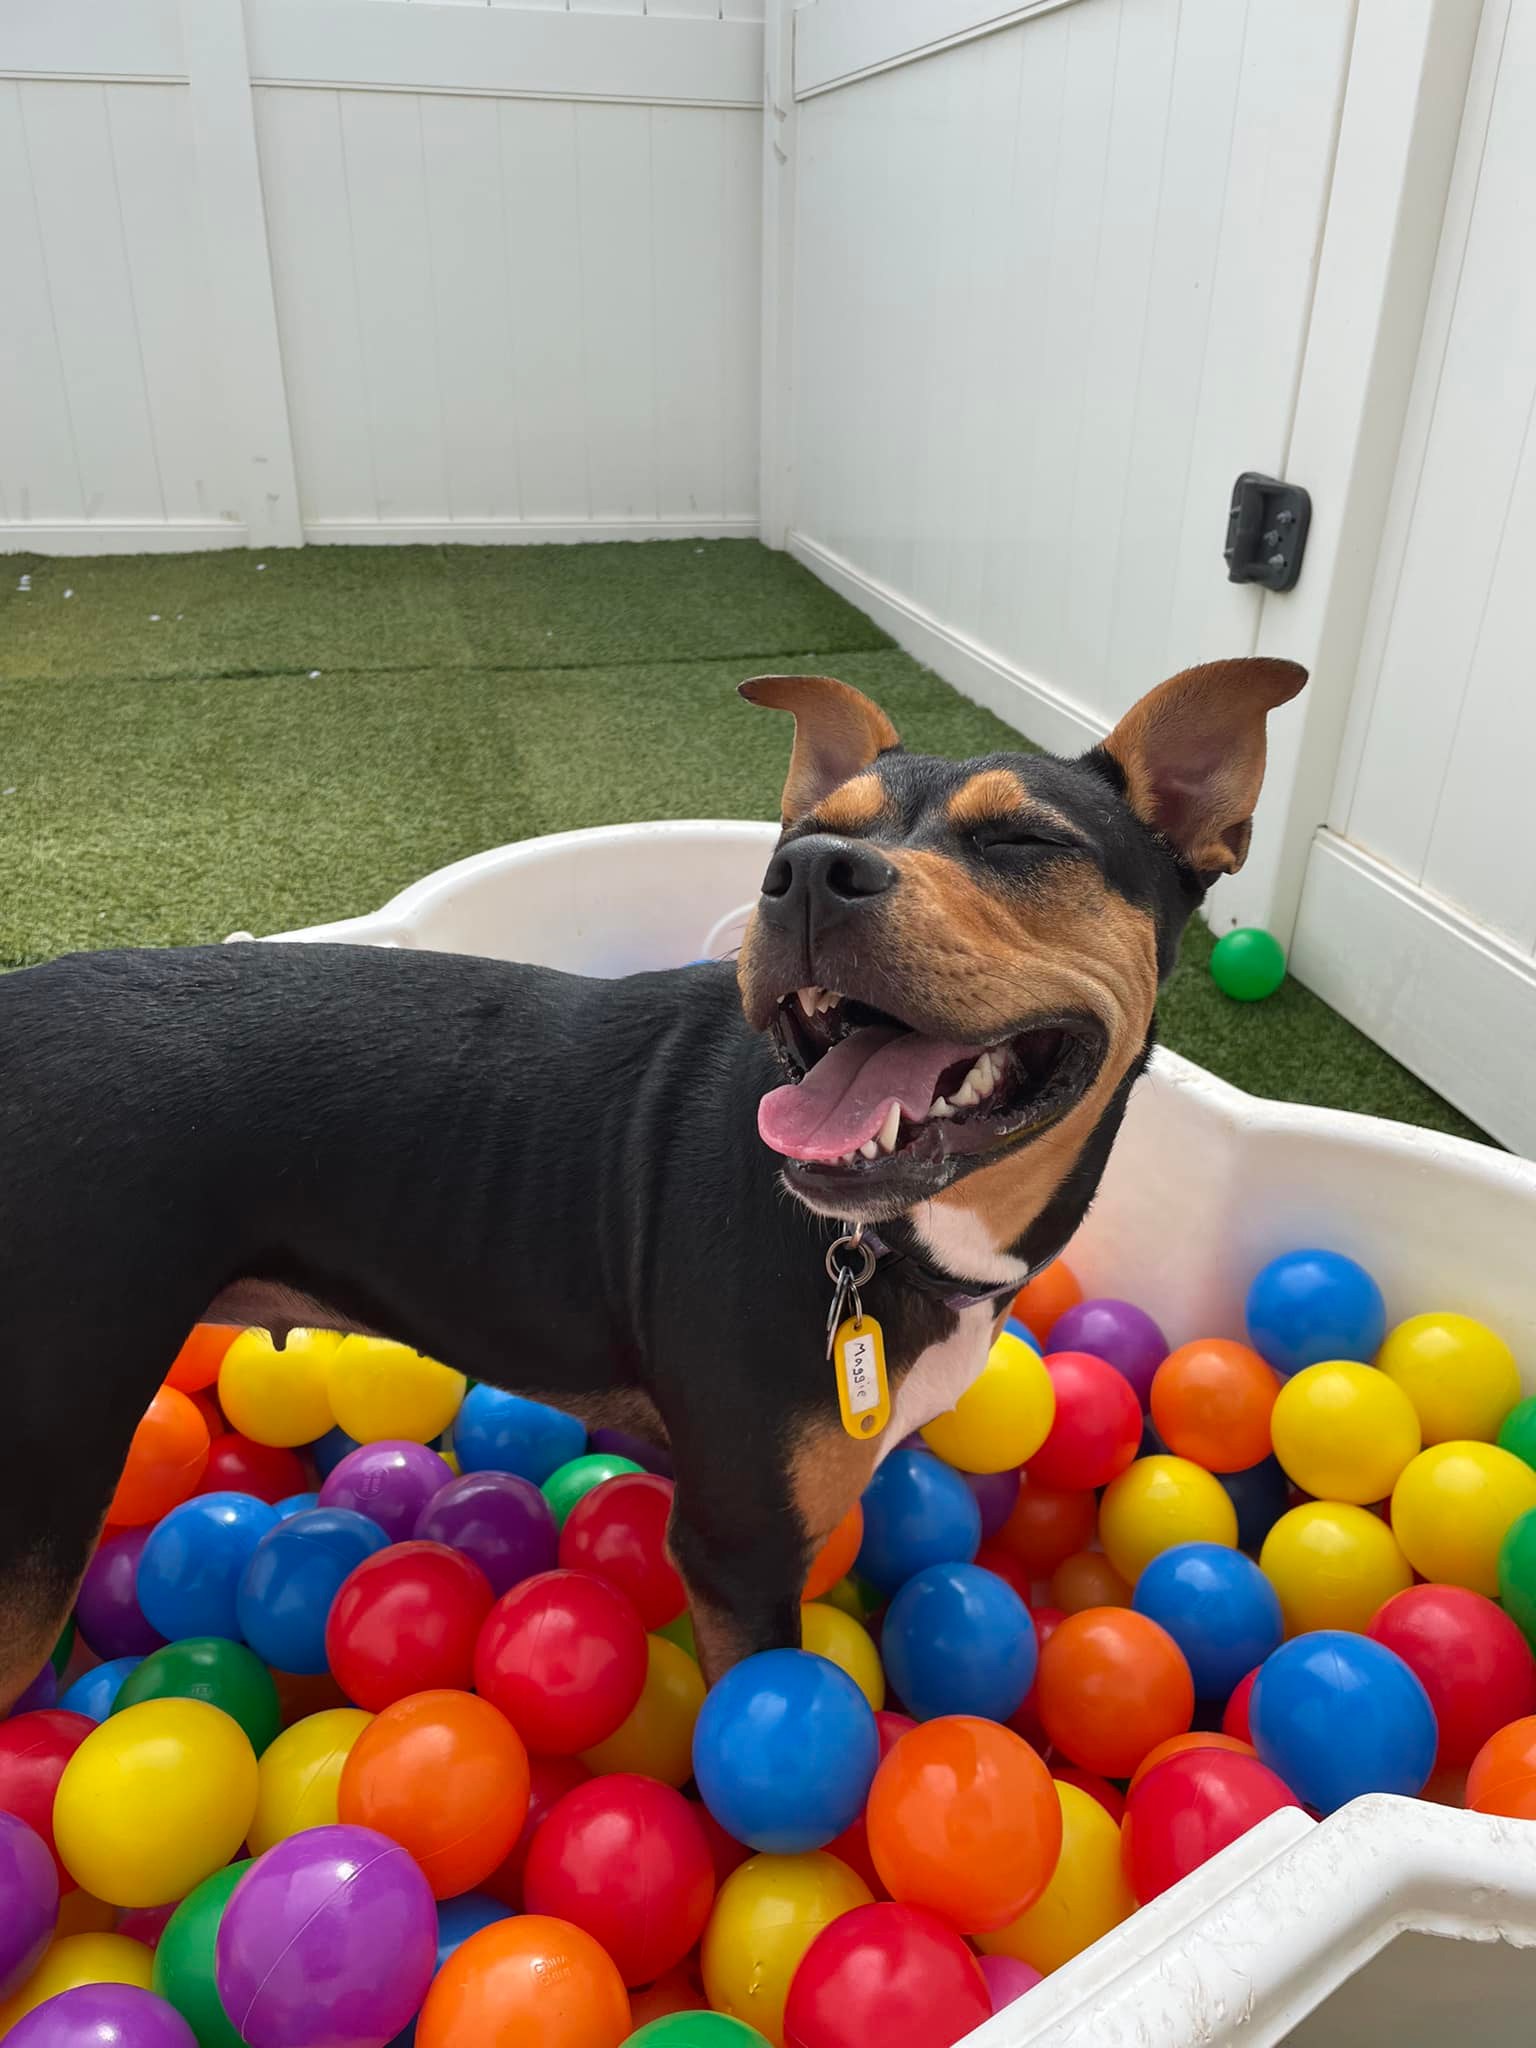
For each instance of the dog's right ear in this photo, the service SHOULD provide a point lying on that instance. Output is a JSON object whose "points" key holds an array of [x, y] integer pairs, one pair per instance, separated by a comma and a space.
{"points": [[838, 734]]}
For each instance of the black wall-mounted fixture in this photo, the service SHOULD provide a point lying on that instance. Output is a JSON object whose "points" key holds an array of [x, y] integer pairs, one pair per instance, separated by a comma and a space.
{"points": [[1266, 531]]}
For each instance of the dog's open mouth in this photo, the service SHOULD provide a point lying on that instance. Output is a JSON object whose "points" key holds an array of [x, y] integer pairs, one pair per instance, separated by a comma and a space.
{"points": [[869, 1090]]}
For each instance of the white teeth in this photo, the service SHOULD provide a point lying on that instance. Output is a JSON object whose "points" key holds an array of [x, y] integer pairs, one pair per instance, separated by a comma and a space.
{"points": [[809, 1000], [966, 1097], [940, 1108], [869, 1149], [886, 1136]]}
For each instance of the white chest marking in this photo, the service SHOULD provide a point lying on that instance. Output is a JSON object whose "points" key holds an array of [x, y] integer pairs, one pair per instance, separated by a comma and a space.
{"points": [[961, 1244], [940, 1376]]}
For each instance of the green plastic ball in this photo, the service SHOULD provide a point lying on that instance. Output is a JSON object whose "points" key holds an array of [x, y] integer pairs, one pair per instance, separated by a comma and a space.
{"points": [[1517, 1432], [680, 1632], [567, 1483], [697, 2030], [183, 1967], [1517, 1572], [211, 1668], [1248, 964], [63, 1649]]}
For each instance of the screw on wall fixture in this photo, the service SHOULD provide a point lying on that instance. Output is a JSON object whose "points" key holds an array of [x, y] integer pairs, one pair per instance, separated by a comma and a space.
{"points": [[1266, 531]]}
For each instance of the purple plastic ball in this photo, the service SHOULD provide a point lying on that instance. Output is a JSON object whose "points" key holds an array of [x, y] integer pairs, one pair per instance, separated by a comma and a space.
{"points": [[328, 1941], [620, 1444], [390, 1482], [1007, 1979], [1120, 1333], [102, 2016], [42, 1692], [29, 1901], [995, 1494], [107, 1610], [500, 1521]]}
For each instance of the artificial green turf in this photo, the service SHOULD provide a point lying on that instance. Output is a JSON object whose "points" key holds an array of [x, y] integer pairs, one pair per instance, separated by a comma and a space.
{"points": [[171, 779]]}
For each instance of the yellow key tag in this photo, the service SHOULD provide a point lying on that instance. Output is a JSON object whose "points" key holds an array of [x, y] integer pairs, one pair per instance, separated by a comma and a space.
{"points": [[863, 1391]]}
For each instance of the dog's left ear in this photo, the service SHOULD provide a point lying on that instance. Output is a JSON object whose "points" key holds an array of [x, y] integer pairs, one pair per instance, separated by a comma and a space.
{"points": [[1192, 753], [838, 734]]}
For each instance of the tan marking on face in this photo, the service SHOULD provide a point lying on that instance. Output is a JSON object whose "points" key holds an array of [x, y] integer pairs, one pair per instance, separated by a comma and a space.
{"points": [[994, 793], [854, 807]]}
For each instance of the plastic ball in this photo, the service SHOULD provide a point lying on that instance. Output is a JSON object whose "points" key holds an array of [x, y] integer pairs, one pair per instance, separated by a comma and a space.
{"points": [[165, 1461], [298, 1775], [1453, 1507], [1007, 1568], [1188, 1808], [655, 1737], [1098, 1789], [1517, 1432], [765, 1917], [379, 1390], [103, 2016], [500, 1432], [1007, 1979], [1310, 1306], [1024, 1333], [1086, 1897], [79, 1913], [1502, 1778], [918, 1511], [278, 1397], [890, 1973], [1460, 1376], [236, 1465], [1097, 1425], [1335, 1715], [956, 1640], [996, 1495], [1123, 1335], [563, 1656], [107, 1611], [29, 1901], [1159, 1502], [684, 2027], [625, 1859], [1002, 1418], [1344, 1431], [406, 1620], [1181, 1745], [191, 1564], [1111, 1685], [1470, 1658], [1041, 1302], [213, 1669], [501, 1522], [1211, 1403], [291, 1579], [34, 1750], [963, 1818], [42, 1690], [296, 1504], [549, 1779], [1261, 1496], [1517, 1575], [1248, 964], [572, 1482], [391, 1482], [784, 1751], [1085, 1580], [618, 1531], [1333, 1565], [444, 1775], [826, 1632], [1046, 1527], [1234, 1716], [329, 1937], [647, 1454], [73, 1961], [529, 1979], [329, 1450], [1218, 1607], [153, 1800], [94, 1693], [300, 1694], [196, 1364], [835, 1559]]}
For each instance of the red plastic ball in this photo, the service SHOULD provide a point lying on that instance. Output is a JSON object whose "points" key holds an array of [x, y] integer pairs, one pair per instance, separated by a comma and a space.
{"points": [[237, 1465], [34, 1748], [1469, 1657], [852, 1845], [1097, 1430], [564, 1657], [1003, 1565], [1109, 1797], [896, 1975], [1186, 1809], [549, 1779], [1046, 1527], [406, 1620], [618, 1532], [1234, 1715], [624, 1859], [728, 1853]]}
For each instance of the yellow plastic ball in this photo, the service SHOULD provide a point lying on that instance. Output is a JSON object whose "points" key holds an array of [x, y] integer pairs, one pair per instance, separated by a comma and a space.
{"points": [[1452, 1509], [1344, 1431], [845, 1643], [656, 1737], [297, 1775], [1333, 1564], [278, 1397], [154, 1800], [75, 1960], [767, 1914], [1086, 1897], [1003, 1417], [380, 1390], [844, 1596], [1460, 1376], [1156, 1503]]}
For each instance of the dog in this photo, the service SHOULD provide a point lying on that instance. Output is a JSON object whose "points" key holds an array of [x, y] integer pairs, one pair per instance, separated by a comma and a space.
{"points": [[620, 1196]]}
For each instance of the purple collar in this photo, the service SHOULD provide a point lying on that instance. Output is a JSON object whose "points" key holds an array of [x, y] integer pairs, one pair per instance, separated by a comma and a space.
{"points": [[929, 1279]]}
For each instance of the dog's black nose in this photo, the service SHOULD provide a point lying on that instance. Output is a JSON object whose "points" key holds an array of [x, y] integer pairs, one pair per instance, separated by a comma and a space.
{"points": [[823, 879]]}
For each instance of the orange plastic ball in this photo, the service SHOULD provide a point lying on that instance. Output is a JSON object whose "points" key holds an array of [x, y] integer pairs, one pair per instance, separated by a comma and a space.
{"points": [[165, 1461], [1503, 1774], [1044, 1527], [1110, 1686], [963, 1818], [1197, 1738], [1041, 1302], [835, 1558], [523, 1980], [1085, 1580], [196, 1364], [444, 1775], [1211, 1402]]}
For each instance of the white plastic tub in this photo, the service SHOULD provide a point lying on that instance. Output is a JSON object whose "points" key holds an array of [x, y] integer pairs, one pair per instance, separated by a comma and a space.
{"points": [[1394, 1921]]}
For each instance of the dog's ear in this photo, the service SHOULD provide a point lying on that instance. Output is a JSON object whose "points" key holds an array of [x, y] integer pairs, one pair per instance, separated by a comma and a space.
{"points": [[838, 734], [1192, 754]]}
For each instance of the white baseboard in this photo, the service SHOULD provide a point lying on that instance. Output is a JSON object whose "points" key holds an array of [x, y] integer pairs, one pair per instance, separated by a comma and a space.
{"points": [[1030, 706], [1424, 981], [394, 533], [121, 537]]}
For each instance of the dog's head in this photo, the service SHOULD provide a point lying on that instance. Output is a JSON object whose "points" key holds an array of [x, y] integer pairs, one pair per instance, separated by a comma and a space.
{"points": [[958, 962]]}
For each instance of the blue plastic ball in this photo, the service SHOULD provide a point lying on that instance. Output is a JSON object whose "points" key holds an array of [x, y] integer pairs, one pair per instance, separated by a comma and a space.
{"points": [[296, 1503], [957, 1639], [329, 1450], [1261, 1496], [500, 1432], [1218, 1607], [1025, 1335], [189, 1570], [95, 1691], [1336, 1714], [294, 1574], [784, 1750], [1309, 1306], [917, 1512]]}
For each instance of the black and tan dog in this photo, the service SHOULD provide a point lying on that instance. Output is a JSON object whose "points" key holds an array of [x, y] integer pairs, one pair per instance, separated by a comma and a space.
{"points": [[577, 1188]]}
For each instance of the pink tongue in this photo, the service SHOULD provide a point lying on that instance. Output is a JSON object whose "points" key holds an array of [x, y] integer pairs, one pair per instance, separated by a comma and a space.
{"points": [[843, 1100]]}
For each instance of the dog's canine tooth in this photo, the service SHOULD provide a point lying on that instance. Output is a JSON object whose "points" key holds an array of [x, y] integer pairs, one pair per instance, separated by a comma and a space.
{"points": [[809, 1000], [869, 1149], [886, 1136], [965, 1097], [939, 1108], [830, 999]]}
